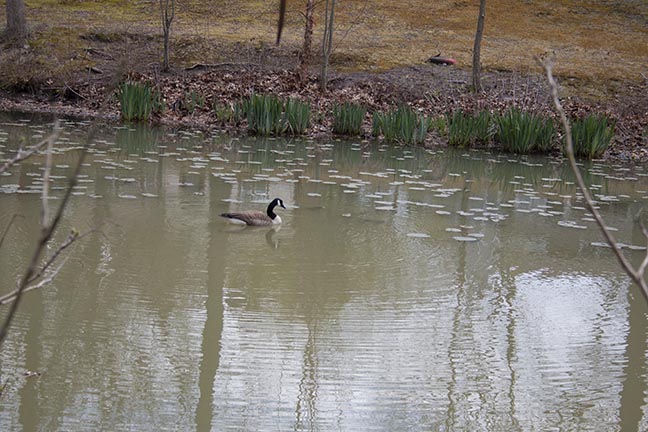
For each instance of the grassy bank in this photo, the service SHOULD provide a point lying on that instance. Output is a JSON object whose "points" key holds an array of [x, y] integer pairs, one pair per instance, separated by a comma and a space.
{"points": [[603, 42]]}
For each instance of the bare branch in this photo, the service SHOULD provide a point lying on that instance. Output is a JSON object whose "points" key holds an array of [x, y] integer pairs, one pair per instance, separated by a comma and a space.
{"points": [[46, 179], [644, 263], [11, 297], [6, 231], [29, 151], [74, 236], [635, 275], [47, 231], [50, 227]]}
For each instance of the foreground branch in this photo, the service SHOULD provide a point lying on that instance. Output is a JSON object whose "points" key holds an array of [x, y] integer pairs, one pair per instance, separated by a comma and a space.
{"points": [[6, 231], [24, 153], [11, 297], [71, 239], [636, 275], [47, 231], [48, 227]]}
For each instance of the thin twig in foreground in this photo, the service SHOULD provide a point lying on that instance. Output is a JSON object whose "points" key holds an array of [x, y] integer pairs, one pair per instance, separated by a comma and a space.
{"points": [[47, 230], [6, 231], [8, 298], [73, 237], [31, 150], [636, 275]]}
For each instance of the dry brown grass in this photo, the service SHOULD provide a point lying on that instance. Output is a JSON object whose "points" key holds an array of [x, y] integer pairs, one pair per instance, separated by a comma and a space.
{"points": [[605, 41]]}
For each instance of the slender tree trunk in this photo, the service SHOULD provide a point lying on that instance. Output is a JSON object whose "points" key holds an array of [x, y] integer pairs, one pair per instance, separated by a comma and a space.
{"points": [[16, 21], [282, 16], [476, 75], [168, 12], [327, 41], [308, 40]]}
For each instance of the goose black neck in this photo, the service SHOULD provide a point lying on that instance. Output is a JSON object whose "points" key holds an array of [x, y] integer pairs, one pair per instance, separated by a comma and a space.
{"points": [[270, 212]]}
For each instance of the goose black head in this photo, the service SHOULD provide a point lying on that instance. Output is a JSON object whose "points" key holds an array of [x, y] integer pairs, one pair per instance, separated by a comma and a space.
{"points": [[274, 203]]}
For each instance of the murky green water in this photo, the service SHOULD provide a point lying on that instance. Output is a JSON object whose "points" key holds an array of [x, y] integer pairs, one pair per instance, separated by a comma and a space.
{"points": [[366, 310]]}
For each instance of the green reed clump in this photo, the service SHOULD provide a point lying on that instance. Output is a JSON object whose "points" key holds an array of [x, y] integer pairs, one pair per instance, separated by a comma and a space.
{"points": [[238, 113], [193, 100], [348, 118], [401, 125], [439, 124], [466, 129], [297, 116], [138, 101], [264, 114], [223, 112], [592, 135], [524, 132]]}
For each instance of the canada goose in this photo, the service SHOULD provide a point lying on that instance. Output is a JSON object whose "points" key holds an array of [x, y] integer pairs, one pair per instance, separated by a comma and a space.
{"points": [[256, 217]]}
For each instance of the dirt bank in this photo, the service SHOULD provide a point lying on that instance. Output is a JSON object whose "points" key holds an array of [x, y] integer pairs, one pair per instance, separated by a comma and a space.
{"points": [[433, 89]]}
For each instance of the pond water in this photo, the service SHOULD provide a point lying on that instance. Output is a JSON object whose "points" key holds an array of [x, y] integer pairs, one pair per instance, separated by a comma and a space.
{"points": [[406, 289]]}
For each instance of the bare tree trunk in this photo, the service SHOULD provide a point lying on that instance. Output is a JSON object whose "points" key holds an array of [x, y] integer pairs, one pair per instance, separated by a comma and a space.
{"points": [[16, 21], [327, 42], [476, 75], [168, 12], [308, 40], [282, 16]]}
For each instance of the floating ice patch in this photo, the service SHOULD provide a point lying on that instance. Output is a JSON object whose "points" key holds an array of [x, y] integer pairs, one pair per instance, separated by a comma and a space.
{"points": [[418, 235], [453, 230], [465, 238], [443, 212], [9, 187], [571, 224], [600, 244], [149, 195], [608, 198]]}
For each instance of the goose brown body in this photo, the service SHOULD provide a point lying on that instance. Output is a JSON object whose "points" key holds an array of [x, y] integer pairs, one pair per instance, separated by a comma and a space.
{"points": [[256, 217]]}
